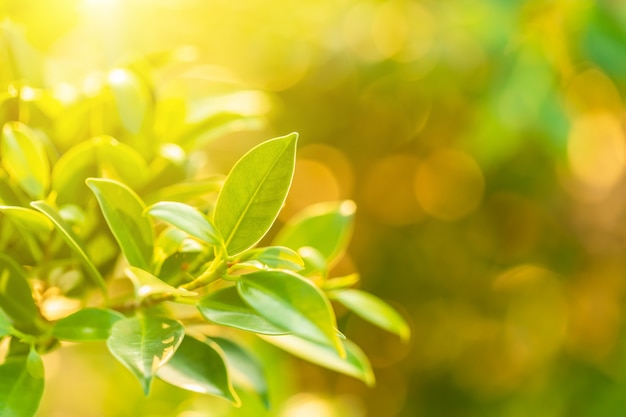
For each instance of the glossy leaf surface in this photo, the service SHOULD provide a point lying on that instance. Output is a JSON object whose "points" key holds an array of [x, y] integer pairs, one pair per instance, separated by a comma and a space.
{"points": [[326, 227], [144, 344], [186, 218], [226, 307], [86, 325], [355, 363], [374, 310], [123, 211], [147, 284], [275, 257], [254, 193], [21, 386], [291, 302], [24, 159], [27, 219], [197, 366], [73, 241]]}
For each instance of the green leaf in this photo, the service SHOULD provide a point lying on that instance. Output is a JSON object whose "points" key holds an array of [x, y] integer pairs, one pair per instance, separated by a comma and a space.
{"points": [[21, 386], [293, 303], [147, 284], [326, 227], [131, 98], [197, 366], [27, 219], [16, 296], [86, 325], [244, 368], [5, 324], [374, 310], [254, 193], [275, 257], [187, 219], [145, 344], [72, 240], [102, 156], [24, 158], [123, 212], [189, 190], [340, 283], [355, 363], [226, 307]]}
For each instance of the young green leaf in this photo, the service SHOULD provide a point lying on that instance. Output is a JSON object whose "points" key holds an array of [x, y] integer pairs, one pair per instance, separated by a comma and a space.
{"points": [[254, 193], [144, 344], [374, 310], [147, 284], [21, 385], [131, 98], [24, 159], [354, 364], [16, 297], [197, 366], [72, 240], [275, 257], [326, 227], [226, 307], [27, 219], [86, 325], [244, 368], [187, 219], [123, 212], [291, 302]]}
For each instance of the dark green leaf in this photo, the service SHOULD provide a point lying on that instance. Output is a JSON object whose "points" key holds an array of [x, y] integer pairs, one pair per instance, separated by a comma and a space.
{"points": [[72, 240], [123, 212], [24, 158], [374, 310], [225, 307], [244, 367], [86, 325], [291, 302], [354, 364], [275, 257], [326, 227], [187, 219], [199, 367], [254, 193], [21, 386], [145, 344], [16, 297], [147, 284]]}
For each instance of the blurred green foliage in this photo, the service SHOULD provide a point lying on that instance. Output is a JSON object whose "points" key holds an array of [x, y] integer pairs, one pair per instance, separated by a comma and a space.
{"points": [[484, 145]]}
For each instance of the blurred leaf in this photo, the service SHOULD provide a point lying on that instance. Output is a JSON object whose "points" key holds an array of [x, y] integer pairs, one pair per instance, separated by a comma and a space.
{"points": [[147, 284], [355, 363], [86, 325], [197, 366], [254, 193], [123, 212], [245, 367], [187, 219], [72, 240], [5, 324], [16, 296], [24, 159], [131, 98], [374, 310], [27, 219], [226, 307], [144, 344], [187, 190], [315, 265], [21, 386], [275, 257], [102, 156], [198, 134], [291, 302], [326, 227], [340, 283]]}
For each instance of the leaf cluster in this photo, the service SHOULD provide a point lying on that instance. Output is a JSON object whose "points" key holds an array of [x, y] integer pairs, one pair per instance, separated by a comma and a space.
{"points": [[102, 190]]}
